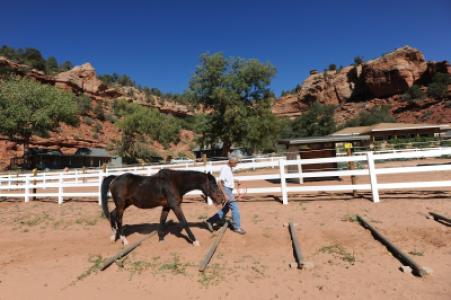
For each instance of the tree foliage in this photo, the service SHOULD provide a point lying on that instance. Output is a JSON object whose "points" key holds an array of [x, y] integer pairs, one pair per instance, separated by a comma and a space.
{"points": [[236, 90], [28, 108], [140, 125], [317, 121], [377, 114], [34, 58], [439, 85]]}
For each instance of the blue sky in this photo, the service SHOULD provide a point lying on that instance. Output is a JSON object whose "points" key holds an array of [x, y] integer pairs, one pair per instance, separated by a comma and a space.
{"points": [[158, 43]]}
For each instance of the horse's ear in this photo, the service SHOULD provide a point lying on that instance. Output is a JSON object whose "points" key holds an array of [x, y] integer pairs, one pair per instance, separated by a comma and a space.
{"points": [[209, 173]]}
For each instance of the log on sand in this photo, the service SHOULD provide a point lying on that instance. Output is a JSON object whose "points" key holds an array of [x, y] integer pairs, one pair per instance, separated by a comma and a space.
{"points": [[124, 251]]}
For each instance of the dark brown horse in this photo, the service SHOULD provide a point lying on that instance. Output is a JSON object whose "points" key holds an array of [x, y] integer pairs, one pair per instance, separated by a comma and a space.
{"points": [[166, 188]]}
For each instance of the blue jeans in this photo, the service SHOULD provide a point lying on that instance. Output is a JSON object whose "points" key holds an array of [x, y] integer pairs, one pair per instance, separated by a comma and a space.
{"points": [[230, 205]]}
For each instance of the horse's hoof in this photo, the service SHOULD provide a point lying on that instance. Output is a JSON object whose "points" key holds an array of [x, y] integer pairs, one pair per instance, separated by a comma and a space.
{"points": [[124, 241], [196, 243]]}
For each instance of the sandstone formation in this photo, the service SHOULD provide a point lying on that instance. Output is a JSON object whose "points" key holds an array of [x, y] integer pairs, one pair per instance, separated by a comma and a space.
{"points": [[393, 73], [385, 77], [82, 77]]}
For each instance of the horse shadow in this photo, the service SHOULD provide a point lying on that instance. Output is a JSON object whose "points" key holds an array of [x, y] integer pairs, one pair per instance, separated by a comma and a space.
{"points": [[171, 227]]}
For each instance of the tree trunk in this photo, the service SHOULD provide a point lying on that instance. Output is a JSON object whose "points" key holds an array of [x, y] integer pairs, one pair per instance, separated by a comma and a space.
{"points": [[226, 147]]}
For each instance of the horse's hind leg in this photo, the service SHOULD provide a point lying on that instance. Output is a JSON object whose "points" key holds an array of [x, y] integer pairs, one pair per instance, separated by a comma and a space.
{"points": [[179, 213], [163, 217], [120, 228], [113, 224]]}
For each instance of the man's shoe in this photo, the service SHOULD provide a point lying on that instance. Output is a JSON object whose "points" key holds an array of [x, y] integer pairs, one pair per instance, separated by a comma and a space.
{"points": [[240, 231], [209, 226]]}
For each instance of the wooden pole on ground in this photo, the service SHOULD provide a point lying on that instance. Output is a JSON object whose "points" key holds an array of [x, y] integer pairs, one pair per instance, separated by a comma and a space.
{"points": [[438, 217], [404, 258], [296, 246], [204, 263], [108, 261]]}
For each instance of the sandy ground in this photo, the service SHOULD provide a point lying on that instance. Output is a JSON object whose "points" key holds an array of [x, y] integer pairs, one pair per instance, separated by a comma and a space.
{"points": [[50, 251]]}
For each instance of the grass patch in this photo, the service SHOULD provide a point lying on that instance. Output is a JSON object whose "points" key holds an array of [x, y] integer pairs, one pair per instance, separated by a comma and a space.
{"points": [[42, 218], [96, 261], [340, 252], [256, 219], [175, 266], [211, 276], [349, 218], [416, 252], [88, 221]]}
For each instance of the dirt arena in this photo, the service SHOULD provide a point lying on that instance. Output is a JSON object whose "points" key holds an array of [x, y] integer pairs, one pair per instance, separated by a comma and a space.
{"points": [[51, 251]]}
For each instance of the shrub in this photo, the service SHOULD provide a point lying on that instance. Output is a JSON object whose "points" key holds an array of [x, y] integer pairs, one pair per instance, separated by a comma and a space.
{"points": [[99, 111], [88, 120], [332, 67], [439, 85], [413, 94], [84, 104], [358, 60]]}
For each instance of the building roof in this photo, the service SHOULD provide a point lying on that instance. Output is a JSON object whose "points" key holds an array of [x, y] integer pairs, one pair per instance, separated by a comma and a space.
{"points": [[92, 152], [359, 130], [325, 139]]}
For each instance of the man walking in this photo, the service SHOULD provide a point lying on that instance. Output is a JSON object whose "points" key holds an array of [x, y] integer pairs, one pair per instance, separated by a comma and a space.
{"points": [[227, 182]]}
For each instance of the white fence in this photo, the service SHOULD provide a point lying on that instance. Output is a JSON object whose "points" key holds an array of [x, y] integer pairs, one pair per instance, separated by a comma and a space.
{"points": [[63, 185]]}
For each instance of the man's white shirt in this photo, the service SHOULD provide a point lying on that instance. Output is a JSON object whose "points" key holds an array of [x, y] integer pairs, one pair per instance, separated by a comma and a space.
{"points": [[226, 176]]}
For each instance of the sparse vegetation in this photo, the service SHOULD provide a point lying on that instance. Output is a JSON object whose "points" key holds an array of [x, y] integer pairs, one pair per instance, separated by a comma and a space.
{"points": [[438, 88], [96, 261], [416, 252], [377, 114], [358, 60], [340, 252], [413, 94]]}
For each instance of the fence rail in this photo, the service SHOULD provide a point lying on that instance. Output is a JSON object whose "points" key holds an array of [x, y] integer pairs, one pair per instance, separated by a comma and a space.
{"points": [[61, 185]]}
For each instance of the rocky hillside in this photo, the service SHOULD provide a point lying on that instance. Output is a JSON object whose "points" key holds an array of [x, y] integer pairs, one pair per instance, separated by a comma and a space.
{"points": [[380, 81], [83, 80]]}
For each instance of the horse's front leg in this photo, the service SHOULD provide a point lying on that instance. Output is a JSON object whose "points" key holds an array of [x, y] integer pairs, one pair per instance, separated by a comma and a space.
{"points": [[179, 213], [163, 217]]}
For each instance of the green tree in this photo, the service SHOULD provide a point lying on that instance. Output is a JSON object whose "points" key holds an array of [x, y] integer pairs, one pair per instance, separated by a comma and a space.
{"points": [[139, 125], [358, 60], [235, 90], [377, 114], [332, 67], [439, 85], [66, 66], [51, 65], [413, 94], [29, 108], [317, 121]]}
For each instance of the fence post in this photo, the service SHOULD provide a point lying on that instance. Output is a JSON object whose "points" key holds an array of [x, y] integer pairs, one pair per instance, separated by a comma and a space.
{"points": [[9, 182], [373, 178], [301, 178], [60, 189], [27, 188], [100, 185], [43, 180], [149, 171], [76, 175], [283, 182]]}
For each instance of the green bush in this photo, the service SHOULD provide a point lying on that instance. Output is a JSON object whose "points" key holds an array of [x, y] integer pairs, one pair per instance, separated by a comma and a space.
{"points": [[84, 104], [332, 67], [413, 94], [88, 120], [439, 85], [100, 113]]}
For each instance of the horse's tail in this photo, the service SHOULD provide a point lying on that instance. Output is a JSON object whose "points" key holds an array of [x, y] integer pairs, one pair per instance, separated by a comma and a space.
{"points": [[104, 193]]}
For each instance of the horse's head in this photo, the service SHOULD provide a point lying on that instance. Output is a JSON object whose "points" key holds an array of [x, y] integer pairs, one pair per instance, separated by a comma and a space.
{"points": [[213, 190]]}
